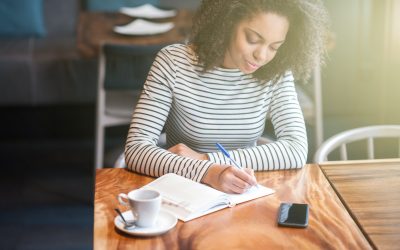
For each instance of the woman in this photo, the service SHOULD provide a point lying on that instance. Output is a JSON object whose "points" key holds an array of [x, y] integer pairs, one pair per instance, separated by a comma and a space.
{"points": [[237, 70]]}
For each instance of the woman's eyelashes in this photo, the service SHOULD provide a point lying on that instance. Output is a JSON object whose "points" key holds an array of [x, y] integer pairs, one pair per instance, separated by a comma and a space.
{"points": [[252, 39], [274, 48]]}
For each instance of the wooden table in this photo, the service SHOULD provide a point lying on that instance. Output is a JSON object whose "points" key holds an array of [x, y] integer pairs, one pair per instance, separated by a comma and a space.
{"points": [[371, 192], [96, 28], [250, 225]]}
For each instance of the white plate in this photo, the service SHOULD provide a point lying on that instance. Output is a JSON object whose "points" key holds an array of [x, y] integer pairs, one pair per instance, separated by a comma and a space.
{"points": [[164, 223], [141, 27], [147, 11]]}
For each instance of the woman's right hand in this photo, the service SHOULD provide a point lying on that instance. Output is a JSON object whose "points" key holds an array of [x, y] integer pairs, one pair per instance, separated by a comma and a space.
{"points": [[229, 179]]}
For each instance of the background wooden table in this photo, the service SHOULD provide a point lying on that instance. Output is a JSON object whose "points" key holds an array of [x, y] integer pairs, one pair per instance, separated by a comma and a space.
{"points": [[371, 191], [250, 225], [95, 28]]}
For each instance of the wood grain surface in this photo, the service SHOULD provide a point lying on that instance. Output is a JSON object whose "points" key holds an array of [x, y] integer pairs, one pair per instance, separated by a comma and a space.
{"points": [[371, 191], [96, 28], [251, 225]]}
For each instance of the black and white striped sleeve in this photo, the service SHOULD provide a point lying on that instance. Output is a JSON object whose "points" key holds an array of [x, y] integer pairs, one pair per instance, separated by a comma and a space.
{"points": [[142, 155], [291, 147]]}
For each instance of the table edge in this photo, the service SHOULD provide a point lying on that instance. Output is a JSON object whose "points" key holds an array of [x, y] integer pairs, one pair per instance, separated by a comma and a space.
{"points": [[350, 162]]}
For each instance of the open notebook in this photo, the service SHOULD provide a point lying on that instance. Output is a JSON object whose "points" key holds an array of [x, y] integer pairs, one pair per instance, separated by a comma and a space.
{"points": [[188, 199]]}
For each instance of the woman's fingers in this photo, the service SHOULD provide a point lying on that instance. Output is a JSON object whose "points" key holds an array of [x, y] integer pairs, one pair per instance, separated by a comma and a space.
{"points": [[253, 177], [246, 175], [235, 180], [229, 179]]}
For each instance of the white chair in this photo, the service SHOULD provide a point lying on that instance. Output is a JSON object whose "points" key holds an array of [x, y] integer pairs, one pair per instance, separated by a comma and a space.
{"points": [[122, 71], [368, 133]]}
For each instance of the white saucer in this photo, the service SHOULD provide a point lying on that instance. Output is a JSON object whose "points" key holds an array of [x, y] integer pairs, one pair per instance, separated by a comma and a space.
{"points": [[164, 223], [147, 11], [141, 27]]}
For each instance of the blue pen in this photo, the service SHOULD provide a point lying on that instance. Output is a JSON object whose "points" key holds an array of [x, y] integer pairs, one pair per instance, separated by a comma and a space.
{"points": [[230, 158], [227, 155]]}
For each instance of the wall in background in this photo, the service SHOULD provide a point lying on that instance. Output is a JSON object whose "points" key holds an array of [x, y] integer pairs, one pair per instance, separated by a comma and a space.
{"points": [[390, 67], [361, 81]]}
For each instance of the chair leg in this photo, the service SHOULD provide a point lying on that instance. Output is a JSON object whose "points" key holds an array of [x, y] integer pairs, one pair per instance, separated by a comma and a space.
{"points": [[100, 110], [370, 148], [99, 146]]}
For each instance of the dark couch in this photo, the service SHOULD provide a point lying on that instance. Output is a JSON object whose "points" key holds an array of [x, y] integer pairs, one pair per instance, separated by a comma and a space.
{"points": [[48, 69]]}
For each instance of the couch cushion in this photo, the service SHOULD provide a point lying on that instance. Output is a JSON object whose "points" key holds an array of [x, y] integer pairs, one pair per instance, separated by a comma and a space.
{"points": [[22, 18], [114, 5], [61, 17], [15, 82]]}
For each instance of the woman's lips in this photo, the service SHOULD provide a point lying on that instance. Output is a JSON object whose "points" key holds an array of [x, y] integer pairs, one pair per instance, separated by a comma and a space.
{"points": [[252, 65]]}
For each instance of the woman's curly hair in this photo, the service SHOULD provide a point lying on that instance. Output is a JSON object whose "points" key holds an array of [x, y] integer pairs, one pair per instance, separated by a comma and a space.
{"points": [[216, 20]]}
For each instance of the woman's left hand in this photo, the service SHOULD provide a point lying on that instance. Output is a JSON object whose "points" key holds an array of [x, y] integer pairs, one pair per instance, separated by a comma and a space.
{"points": [[183, 150]]}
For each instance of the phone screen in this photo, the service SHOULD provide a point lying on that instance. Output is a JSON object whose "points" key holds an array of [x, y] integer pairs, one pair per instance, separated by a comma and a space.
{"points": [[293, 215]]}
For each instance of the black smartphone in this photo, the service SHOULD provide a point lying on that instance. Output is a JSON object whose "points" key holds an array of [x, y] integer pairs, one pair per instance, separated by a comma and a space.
{"points": [[293, 215]]}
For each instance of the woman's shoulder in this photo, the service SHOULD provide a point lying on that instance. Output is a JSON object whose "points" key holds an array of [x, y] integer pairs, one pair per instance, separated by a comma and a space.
{"points": [[283, 82], [287, 77], [179, 51]]}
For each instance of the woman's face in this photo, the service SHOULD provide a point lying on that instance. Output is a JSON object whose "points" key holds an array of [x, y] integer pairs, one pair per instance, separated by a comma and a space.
{"points": [[256, 42]]}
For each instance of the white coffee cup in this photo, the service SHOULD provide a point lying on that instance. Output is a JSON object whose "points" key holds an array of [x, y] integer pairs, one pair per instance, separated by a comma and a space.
{"points": [[144, 204]]}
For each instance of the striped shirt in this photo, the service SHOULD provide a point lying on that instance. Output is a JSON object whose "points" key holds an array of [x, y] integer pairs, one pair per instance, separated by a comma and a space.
{"points": [[201, 108]]}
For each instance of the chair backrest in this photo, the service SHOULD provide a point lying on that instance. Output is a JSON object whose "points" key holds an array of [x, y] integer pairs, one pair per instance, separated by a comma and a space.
{"points": [[122, 71], [125, 67], [368, 133]]}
